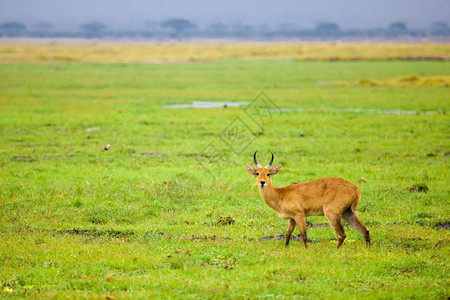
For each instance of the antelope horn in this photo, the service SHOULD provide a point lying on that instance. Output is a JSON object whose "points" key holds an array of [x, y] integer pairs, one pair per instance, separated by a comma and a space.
{"points": [[258, 166], [270, 162]]}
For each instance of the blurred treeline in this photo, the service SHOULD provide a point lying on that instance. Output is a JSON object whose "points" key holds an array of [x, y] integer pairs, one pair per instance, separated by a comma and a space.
{"points": [[177, 28]]}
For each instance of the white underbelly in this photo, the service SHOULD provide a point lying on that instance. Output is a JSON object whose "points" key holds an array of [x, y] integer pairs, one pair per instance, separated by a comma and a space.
{"points": [[284, 216]]}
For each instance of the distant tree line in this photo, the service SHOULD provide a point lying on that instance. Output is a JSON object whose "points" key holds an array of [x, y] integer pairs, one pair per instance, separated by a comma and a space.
{"points": [[178, 28]]}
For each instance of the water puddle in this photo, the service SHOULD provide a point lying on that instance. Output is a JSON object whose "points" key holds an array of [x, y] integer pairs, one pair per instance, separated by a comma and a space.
{"points": [[389, 112], [359, 111], [206, 104], [209, 104]]}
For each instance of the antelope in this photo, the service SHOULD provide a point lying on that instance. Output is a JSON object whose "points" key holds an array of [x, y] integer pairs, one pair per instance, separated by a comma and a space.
{"points": [[333, 197]]}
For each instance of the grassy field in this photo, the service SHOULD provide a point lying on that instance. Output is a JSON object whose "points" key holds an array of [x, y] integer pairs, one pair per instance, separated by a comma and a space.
{"points": [[169, 210]]}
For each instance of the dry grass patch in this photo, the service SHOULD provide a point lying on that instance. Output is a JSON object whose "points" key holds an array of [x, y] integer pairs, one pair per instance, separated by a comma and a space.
{"points": [[186, 53], [410, 80]]}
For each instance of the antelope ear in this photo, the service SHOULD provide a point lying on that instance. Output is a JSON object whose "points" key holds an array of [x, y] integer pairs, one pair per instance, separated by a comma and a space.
{"points": [[250, 169], [275, 170]]}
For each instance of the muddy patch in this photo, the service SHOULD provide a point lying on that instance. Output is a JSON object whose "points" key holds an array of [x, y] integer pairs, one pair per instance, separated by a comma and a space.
{"points": [[58, 156], [23, 158], [149, 154], [205, 104], [151, 235], [424, 223], [280, 237], [191, 154], [97, 233], [32, 158], [196, 238], [419, 187], [221, 221], [443, 225], [357, 111], [441, 242]]}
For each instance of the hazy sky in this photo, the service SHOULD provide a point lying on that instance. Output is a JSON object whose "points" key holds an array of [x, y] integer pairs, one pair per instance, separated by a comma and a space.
{"points": [[358, 14]]}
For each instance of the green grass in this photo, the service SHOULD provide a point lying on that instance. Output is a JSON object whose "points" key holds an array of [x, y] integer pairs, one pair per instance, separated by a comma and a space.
{"points": [[79, 222]]}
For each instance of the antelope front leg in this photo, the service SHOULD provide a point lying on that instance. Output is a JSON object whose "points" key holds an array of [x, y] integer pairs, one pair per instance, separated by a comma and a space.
{"points": [[290, 229], [301, 223]]}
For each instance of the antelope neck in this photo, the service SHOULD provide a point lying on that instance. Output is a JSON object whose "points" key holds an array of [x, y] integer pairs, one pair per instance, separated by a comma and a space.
{"points": [[270, 195]]}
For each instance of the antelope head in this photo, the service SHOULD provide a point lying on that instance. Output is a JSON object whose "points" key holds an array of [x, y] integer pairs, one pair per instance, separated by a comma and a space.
{"points": [[263, 175]]}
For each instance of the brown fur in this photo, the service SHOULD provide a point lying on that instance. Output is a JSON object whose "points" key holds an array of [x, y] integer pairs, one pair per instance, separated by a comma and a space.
{"points": [[333, 197]]}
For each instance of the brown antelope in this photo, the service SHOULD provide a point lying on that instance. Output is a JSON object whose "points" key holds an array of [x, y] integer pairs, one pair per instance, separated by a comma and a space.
{"points": [[333, 197]]}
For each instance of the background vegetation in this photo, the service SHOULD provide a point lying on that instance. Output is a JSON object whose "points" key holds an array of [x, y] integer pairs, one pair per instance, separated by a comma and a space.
{"points": [[182, 29]]}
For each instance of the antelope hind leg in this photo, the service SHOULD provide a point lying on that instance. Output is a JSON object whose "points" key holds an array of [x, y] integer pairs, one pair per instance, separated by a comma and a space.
{"points": [[351, 218]]}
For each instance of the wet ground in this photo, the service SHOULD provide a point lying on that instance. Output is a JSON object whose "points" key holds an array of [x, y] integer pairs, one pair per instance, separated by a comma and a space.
{"points": [[208, 104], [205, 104]]}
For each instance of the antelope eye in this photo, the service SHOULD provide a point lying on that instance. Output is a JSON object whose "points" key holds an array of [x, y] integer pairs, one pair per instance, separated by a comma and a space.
{"points": [[257, 174]]}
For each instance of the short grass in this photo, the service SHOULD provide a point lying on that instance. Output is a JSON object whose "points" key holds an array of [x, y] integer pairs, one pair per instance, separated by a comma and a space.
{"points": [[184, 220]]}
